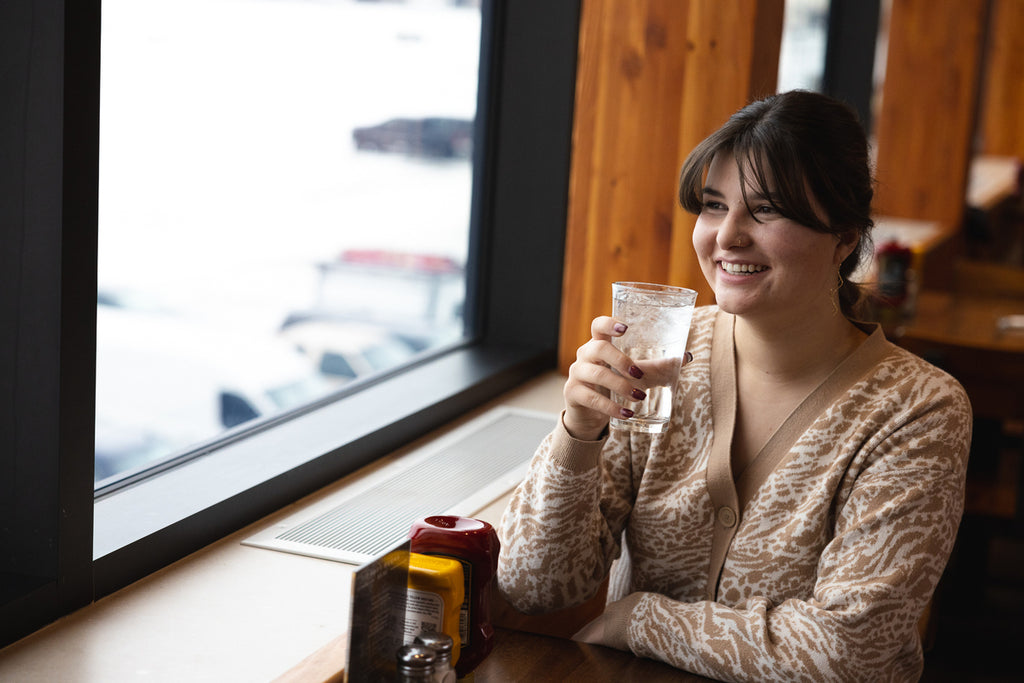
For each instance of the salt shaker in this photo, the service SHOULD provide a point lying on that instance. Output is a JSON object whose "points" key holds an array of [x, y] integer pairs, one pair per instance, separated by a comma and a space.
{"points": [[415, 664], [442, 645]]}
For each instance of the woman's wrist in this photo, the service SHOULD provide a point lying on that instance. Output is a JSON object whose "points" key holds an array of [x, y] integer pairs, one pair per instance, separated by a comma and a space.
{"points": [[584, 433], [578, 455]]}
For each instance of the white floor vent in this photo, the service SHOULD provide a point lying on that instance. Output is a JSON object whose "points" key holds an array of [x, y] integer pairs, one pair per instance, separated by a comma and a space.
{"points": [[459, 474]]}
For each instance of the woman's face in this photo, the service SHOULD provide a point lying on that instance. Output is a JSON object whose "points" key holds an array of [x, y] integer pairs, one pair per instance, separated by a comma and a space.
{"points": [[774, 267]]}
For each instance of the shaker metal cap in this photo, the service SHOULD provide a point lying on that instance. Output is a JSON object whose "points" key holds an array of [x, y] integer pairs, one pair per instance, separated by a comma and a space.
{"points": [[415, 658], [441, 643]]}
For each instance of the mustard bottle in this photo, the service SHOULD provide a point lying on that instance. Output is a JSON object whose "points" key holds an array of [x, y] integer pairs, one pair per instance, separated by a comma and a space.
{"points": [[436, 591]]}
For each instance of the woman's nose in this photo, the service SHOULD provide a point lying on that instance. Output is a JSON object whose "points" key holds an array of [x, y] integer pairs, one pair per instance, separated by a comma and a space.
{"points": [[733, 231]]}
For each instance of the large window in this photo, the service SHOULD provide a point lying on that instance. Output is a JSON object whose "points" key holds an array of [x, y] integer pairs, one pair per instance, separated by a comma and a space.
{"points": [[62, 543], [829, 46], [804, 37], [285, 192]]}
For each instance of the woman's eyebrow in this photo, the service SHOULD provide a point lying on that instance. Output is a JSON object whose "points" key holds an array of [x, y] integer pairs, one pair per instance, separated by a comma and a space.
{"points": [[754, 195], [751, 196]]}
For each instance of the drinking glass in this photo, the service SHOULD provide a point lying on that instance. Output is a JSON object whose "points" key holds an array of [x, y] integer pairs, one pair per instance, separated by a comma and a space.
{"points": [[658, 317]]}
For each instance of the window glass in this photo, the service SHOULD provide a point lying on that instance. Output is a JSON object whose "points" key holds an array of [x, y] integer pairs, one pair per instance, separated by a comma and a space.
{"points": [[284, 207], [804, 39]]}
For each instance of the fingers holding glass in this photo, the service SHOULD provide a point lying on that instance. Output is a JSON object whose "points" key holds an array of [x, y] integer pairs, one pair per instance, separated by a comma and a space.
{"points": [[600, 371]]}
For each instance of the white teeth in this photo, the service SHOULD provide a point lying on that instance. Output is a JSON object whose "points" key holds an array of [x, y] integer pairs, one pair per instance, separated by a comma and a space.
{"points": [[741, 268]]}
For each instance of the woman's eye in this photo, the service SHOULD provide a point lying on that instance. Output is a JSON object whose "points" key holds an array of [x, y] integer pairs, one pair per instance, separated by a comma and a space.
{"points": [[766, 210], [711, 206]]}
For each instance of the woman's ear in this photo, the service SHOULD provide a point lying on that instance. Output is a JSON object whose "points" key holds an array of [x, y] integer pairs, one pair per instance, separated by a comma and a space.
{"points": [[846, 244]]}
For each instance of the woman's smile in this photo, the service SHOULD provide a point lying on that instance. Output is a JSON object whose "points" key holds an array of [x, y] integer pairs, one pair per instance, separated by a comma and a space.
{"points": [[736, 268]]}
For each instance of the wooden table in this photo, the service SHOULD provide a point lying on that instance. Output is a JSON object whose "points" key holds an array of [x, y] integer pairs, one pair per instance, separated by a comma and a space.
{"points": [[518, 656], [521, 656]]}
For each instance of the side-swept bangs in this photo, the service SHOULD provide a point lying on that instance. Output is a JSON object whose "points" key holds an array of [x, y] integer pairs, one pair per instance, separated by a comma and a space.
{"points": [[768, 165]]}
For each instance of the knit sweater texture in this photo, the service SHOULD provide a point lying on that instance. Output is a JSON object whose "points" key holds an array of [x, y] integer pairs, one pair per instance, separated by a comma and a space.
{"points": [[814, 565]]}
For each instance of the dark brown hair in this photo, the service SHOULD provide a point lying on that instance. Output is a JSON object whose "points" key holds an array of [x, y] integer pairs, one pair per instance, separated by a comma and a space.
{"points": [[800, 148]]}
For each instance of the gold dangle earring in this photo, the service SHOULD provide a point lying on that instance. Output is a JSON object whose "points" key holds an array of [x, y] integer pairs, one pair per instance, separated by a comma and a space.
{"points": [[834, 293]]}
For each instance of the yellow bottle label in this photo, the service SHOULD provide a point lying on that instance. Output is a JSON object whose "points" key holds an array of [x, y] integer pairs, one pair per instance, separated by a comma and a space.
{"points": [[467, 602], [424, 611], [436, 591]]}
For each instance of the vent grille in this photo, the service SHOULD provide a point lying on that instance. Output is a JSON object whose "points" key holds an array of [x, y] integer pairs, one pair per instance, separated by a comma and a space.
{"points": [[477, 464]]}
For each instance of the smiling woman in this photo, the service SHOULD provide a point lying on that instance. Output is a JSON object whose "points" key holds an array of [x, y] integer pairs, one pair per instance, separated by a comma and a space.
{"points": [[751, 539]]}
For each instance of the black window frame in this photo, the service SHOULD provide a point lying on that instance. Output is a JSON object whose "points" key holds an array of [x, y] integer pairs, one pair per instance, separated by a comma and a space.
{"points": [[850, 54], [49, 150]]}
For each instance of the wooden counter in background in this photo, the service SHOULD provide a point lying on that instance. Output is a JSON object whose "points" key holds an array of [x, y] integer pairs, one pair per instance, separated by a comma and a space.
{"points": [[993, 180], [965, 336], [966, 320]]}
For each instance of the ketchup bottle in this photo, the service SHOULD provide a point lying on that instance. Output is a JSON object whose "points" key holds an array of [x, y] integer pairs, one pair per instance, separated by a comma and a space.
{"points": [[474, 543]]}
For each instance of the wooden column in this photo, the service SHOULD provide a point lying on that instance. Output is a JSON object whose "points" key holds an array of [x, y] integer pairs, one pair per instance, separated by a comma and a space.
{"points": [[925, 128], [654, 77], [1001, 129]]}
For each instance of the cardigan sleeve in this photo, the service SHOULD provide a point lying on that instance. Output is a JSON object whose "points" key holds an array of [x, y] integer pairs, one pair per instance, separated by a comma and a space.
{"points": [[561, 530], [892, 539]]}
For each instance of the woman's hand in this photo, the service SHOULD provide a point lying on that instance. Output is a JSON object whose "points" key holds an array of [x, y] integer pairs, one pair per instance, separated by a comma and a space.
{"points": [[609, 629], [600, 369]]}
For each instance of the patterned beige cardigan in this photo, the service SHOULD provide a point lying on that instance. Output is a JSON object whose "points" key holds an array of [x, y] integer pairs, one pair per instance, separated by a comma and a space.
{"points": [[815, 565]]}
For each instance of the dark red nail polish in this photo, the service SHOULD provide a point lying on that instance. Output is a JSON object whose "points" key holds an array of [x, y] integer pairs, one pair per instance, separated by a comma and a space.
{"points": [[635, 371], [689, 356], [626, 413], [638, 395], [620, 328]]}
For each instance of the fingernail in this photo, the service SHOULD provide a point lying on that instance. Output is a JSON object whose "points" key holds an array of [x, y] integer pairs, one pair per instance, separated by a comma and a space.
{"points": [[620, 328], [635, 371], [626, 413], [638, 395], [689, 356]]}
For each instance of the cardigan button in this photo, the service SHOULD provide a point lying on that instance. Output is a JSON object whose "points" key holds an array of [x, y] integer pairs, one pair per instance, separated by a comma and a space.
{"points": [[726, 517]]}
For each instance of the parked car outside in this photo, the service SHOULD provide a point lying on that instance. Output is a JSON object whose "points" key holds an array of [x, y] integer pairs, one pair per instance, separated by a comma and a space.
{"points": [[165, 383], [344, 351], [431, 137], [415, 298]]}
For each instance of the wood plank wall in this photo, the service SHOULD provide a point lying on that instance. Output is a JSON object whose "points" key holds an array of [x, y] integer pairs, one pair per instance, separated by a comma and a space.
{"points": [[1001, 129], [926, 122], [654, 78]]}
